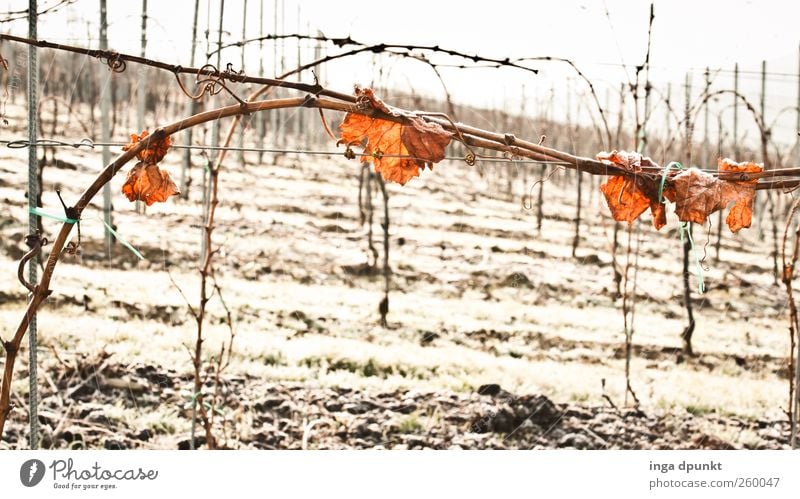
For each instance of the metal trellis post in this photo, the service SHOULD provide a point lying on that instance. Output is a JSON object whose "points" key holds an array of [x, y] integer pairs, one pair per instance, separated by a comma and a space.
{"points": [[33, 225]]}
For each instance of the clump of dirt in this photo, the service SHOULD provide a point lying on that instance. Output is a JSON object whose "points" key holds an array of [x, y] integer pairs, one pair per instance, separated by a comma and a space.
{"points": [[297, 416]]}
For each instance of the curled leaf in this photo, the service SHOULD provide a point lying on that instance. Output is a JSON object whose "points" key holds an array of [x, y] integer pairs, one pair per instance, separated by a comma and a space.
{"points": [[367, 96], [149, 183], [154, 152], [629, 196], [629, 160], [699, 194], [741, 214], [398, 149], [383, 137], [625, 201]]}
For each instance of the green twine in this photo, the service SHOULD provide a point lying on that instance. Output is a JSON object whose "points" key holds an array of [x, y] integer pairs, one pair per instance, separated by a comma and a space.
{"points": [[192, 398], [121, 240], [678, 167], [701, 286], [36, 211]]}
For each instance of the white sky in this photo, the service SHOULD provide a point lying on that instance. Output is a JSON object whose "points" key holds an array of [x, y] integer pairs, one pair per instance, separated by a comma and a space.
{"points": [[688, 35]]}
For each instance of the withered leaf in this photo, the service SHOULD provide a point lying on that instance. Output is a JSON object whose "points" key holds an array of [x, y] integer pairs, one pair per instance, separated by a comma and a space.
{"points": [[367, 96], [741, 214], [699, 194], [388, 142], [154, 152], [629, 196], [149, 183], [629, 160], [624, 199]]}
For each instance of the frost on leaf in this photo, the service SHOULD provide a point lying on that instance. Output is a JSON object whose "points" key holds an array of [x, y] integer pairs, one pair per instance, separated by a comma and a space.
{"points": [[146, 181], [741, 215], [699, 194], [149, 183], [389, 142], [629, 196]]}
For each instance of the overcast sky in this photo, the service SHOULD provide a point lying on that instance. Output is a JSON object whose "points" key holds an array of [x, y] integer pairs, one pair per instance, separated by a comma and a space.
{"points": [[598, 35]]}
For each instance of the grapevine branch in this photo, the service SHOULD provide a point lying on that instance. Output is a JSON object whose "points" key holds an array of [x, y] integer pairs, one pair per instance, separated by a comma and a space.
{"points": [[23, 14], [408, 49], [117, 62], [469, 135], [383, 47], [511, 146], [794, 323], [472, 136]]}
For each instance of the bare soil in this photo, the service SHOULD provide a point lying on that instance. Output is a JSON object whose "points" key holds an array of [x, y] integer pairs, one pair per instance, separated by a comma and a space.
{"points": [[480, 301]]}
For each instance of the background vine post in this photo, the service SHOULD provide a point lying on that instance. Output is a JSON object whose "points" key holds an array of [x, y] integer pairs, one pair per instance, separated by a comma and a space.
{"points": [[105, 128], [245, 120], [191, 109], [688, 331], [141, 93]]}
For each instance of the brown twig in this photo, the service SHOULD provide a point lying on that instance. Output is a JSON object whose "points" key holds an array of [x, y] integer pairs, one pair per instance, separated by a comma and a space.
{"points": [[370, 212], [383, 307], [794, 322], [116, 58], [628, 327], [408, 51]]}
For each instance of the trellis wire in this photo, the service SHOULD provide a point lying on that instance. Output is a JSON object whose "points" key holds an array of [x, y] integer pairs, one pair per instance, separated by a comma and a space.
{"points": [[88, 143]]}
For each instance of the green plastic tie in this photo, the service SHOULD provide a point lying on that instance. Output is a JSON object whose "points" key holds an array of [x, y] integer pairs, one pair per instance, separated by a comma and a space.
{"points": [[36, 211], [121, 240], [678, 167], [191, 399]]}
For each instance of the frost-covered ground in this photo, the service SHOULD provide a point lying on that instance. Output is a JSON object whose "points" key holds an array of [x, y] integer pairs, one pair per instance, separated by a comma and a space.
{"points": [[479, 297]]}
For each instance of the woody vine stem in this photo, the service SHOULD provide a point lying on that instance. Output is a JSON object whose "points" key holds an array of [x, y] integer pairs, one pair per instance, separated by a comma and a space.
{"points": [[510, 146]]}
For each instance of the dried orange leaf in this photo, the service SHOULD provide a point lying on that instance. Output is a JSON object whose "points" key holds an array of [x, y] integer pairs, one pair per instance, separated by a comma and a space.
{"points": [[629, 160], [425, 141], [383, 137], [398, 150], [629, 196], [624, 200], [154, 152], [741, 214], [149, 183], [367, 96], [699, 194]]}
